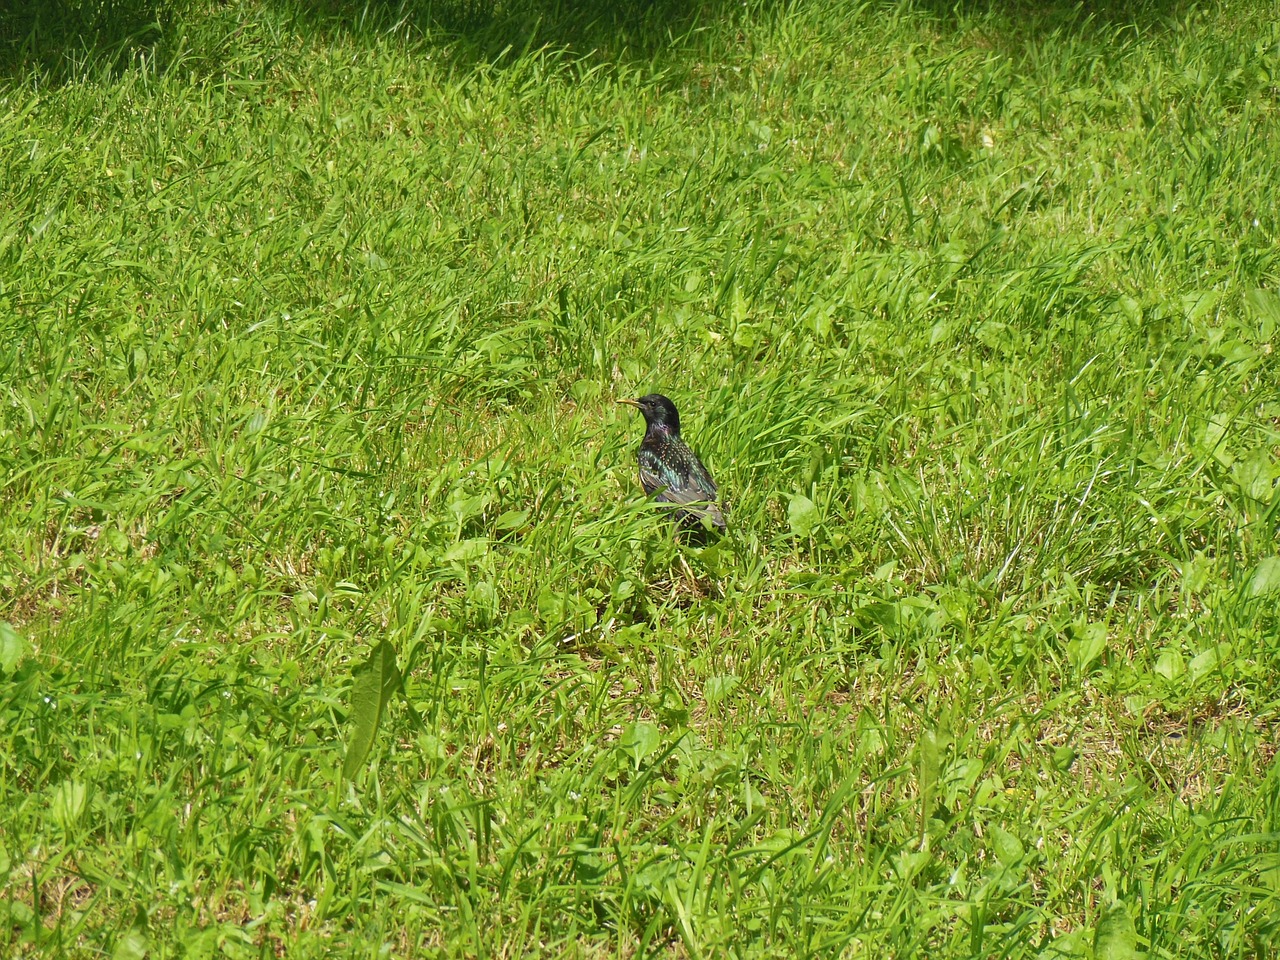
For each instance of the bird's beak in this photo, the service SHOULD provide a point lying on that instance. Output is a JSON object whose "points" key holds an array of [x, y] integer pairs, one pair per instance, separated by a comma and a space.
{"points": [[631, 403]]}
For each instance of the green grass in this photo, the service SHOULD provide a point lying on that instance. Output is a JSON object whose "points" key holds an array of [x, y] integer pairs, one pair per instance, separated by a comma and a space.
{"points": [[312, 318]]}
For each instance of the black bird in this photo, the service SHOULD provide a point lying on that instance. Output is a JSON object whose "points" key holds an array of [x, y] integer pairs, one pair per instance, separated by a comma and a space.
{"points": [[671, 471]]}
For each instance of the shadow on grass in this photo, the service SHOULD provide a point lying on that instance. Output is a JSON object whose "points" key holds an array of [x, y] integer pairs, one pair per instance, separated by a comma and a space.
{"points": [[1038, 17], [65, 40], [61, 40]]}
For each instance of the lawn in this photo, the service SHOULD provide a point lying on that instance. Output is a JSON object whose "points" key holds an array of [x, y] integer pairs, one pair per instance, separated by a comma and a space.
{"points": [[312, 320]]}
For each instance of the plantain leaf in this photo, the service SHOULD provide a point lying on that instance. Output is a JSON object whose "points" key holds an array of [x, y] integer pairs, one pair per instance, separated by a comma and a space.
{"points": [[1087, 644], [802, 515], [13, 648], [376, 681], [639, 740], [1265, 581], [1116, 938]]}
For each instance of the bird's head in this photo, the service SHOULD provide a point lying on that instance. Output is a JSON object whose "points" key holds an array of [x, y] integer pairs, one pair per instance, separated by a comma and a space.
{"points": [[659, 412]]}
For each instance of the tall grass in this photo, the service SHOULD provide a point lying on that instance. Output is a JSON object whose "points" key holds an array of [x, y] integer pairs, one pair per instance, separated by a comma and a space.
{"points": [[313, 318]]}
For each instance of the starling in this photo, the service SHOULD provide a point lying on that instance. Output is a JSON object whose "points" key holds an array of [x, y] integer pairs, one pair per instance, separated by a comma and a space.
{"points": [[671, 471]]}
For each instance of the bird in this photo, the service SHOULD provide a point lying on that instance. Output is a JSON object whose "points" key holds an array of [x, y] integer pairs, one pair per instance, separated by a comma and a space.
{"points": [[669, 470]]}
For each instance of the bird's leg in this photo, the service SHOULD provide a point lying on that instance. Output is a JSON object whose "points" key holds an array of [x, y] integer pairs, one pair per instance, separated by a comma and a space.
{"points": [[688, 571]]}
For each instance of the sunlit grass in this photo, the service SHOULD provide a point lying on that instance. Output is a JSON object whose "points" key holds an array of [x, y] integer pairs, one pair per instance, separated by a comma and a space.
{"points": [[312, 325]]}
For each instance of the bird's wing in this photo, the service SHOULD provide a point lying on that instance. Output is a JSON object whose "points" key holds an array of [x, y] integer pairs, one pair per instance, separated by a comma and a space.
{"points": [[679, 483], [701, 479], [694, 491]]}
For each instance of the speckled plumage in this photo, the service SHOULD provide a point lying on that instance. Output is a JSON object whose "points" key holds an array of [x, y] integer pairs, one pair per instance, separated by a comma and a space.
{"points": [[670, 472]]}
